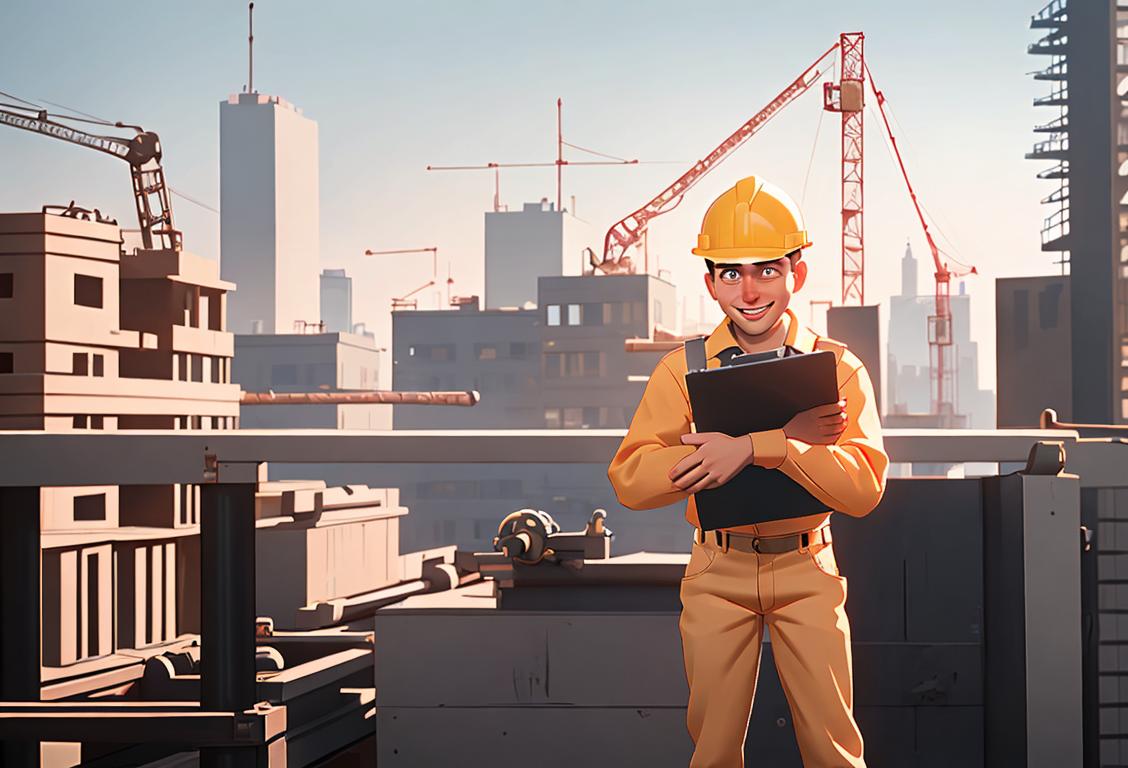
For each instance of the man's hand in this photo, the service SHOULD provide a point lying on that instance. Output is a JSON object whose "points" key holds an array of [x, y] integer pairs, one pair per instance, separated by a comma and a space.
{"points": [[820, 425], [716, 461]]}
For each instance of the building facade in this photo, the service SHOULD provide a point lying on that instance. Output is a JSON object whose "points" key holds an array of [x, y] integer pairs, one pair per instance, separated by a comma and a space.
{"points": [[336, 301], [1085, 51], [523, 246], [269, 220]]}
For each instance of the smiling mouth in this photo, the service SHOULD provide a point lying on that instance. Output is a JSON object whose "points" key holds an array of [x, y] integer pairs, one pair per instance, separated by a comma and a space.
{"points": [[756, 312]]}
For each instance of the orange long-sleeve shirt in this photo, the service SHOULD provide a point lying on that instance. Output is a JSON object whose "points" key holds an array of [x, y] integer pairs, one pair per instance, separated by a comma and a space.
{"points": [[848, 476]]}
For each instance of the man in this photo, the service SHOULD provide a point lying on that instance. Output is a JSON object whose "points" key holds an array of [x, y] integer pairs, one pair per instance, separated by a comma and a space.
{"points": [[780, 574]]}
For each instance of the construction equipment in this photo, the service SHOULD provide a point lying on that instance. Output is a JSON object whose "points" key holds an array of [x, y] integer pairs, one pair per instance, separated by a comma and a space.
{"points": [[847, 97], [940, 323], [142, 151], [559, 163], [631, 229], [406, 301]]}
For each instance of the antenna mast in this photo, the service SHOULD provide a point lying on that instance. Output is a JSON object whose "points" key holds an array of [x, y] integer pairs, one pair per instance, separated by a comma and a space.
{"points": [[250, 48]]}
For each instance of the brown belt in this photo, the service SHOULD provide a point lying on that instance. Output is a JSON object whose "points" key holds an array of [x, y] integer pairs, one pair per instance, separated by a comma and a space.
{"points": [[764, 545]]}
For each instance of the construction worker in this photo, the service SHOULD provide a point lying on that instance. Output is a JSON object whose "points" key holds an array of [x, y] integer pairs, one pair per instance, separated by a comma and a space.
{"points": [[779, 574]]}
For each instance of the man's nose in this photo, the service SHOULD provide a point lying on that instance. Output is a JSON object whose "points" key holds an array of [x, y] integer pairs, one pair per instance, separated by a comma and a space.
{"points": [[749, 289]]}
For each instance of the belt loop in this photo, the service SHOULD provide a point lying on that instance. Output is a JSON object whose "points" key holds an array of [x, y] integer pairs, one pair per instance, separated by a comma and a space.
{"points": [[717, 537], [804, 541], [728, 540]]}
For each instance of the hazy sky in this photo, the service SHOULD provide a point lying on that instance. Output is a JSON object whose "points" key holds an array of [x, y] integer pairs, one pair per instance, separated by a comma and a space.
{"points": [[397, 86]]}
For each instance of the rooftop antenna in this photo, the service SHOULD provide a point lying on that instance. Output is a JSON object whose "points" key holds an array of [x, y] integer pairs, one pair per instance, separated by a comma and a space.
{"points": [[250, 47]]}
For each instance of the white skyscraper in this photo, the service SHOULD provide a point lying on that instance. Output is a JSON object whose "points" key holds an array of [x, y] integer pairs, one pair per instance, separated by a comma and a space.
{"points": [[269, 230]]}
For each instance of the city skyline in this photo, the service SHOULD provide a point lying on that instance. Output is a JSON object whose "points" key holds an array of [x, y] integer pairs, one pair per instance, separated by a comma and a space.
{"points": [[480, 86]]}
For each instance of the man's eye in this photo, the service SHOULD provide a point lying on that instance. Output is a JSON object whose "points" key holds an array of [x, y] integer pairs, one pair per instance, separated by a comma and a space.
{"points": [[730, 274], [769, 272]]}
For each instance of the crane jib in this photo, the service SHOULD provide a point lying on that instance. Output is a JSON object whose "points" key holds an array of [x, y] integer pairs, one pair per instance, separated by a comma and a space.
{"points": [[105, 144]]}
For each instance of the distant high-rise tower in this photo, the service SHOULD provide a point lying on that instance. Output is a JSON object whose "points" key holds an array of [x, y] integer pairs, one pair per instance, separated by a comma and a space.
{"points": [[336, 301], [908, 272], [269, 231]]}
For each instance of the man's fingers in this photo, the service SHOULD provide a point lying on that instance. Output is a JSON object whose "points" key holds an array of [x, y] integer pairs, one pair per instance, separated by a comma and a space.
{"points": [[691, 477], [699, 438], [703, 484], [826, 410], [689, 462], [837, 416]]}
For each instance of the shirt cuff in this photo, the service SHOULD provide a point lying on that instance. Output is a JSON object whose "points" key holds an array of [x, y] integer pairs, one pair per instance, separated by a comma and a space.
{"points": [[769, 448]]}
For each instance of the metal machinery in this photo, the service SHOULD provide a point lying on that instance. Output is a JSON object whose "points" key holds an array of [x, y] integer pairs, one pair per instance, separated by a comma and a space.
{"points": [[143, 153], [846, 97]]}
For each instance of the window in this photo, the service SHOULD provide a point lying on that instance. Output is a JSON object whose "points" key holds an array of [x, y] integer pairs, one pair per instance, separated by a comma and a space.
{"points": [[90, 507], [80, 364], [518, 350], [79, 422], [1049, 305], [574, 314], [485, 351], [553, 362], [97, 422], [7, 362], [99, 365], [553, 314], [284, 375], [88, 291], [657, 312], [552, 418], [7, 281], [442, 353], [608, 313], [573, 418], [593, 313]]}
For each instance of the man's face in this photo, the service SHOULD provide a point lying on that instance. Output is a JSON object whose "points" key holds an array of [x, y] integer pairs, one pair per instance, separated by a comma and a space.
{"points": [[756, 295]]}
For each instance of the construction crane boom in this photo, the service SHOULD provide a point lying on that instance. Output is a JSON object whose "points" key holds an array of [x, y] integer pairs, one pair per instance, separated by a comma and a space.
{"points": [[940, 324], [142, 152], [631, 229]]}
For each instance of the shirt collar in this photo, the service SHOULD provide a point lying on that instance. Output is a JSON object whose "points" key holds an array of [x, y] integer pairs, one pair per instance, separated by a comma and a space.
{"points": [[798, 336]]}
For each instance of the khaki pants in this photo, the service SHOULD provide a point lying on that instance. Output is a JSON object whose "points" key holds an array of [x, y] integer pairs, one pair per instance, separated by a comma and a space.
{"points": [[727, 598]]}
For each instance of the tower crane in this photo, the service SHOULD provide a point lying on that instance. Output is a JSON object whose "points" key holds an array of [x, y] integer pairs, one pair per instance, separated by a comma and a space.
{"points": [[846, 97], [405, 301], [142, 151]]}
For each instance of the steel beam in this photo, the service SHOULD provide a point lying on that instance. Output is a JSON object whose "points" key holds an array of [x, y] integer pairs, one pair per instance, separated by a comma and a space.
{"points": [[227, 608], [19, 611], [138, 457]]}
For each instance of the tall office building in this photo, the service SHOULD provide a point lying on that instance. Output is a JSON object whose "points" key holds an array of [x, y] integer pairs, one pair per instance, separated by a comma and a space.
{"points": [[537, 241], [1088, 222], [269, 230], [336, 301]]}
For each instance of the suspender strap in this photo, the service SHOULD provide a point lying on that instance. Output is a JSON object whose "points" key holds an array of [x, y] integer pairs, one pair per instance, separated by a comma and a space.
{"points": [[695, 354]]}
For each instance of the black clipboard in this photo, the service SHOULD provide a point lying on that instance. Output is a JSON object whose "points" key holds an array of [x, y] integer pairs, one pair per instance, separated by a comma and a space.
{"points": [[754, 397]]}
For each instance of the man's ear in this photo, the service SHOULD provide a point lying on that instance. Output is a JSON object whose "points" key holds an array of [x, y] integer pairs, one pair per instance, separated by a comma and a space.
{"points": [[799, 270], [709, 285]]}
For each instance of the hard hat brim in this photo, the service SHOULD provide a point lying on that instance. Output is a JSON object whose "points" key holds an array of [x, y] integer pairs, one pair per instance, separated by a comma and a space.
{"points": [[746, 255]]}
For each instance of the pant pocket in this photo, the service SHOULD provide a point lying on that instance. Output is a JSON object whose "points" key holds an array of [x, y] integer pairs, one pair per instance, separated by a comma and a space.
{"points": [[822, 556], [701, 559]]}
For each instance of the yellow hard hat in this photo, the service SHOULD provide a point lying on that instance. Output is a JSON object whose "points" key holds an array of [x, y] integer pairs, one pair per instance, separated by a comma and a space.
{"points": [[754, 221]]}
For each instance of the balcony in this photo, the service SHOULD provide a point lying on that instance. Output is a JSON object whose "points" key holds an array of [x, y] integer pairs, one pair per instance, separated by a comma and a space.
{"points": [[1054, 148], [1052, 16], [1053, 44], [1058, 125], [1057, 71]]}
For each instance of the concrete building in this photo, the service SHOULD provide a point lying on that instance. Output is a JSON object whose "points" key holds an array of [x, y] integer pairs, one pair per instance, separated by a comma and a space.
{"points": [[1086, 138], [94, 339], [908, 369], [269, 224], [313, 362], [1033, 349], [563, 365], [336, 301], [522, 246]]}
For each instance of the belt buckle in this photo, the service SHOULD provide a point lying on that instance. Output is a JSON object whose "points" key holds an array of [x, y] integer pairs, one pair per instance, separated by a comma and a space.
{"points": [[756, 545]]}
